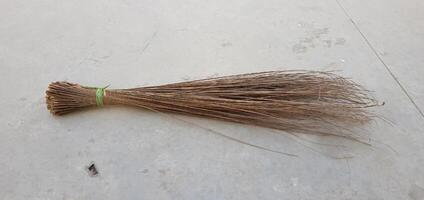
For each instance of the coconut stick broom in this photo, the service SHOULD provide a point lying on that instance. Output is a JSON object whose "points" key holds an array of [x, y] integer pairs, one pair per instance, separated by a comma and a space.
{"points": [[294, 101]]}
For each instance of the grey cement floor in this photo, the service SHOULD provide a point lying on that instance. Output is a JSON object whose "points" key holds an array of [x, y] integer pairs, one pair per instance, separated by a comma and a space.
{"points": [[144, 155]]}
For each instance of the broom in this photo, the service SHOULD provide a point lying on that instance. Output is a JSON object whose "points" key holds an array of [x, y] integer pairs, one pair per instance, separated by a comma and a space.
{"points": [[294, 101]]}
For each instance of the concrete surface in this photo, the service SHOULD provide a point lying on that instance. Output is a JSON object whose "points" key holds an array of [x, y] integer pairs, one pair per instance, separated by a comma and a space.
{"points": [[145, 155]]}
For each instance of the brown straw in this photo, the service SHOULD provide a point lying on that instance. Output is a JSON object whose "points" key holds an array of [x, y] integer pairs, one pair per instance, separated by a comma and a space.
{"points": [[295, 101]]}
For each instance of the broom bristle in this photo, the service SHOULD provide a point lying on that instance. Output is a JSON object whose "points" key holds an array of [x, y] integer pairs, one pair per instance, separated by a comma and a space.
{"points": [[299, 101]]}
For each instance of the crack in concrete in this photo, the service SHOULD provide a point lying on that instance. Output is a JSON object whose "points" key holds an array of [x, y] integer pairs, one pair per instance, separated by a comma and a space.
{"points": [[381, 60]]}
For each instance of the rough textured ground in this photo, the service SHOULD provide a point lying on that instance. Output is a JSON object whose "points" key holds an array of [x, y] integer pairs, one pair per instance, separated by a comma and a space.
{"points": [[145, 155]]}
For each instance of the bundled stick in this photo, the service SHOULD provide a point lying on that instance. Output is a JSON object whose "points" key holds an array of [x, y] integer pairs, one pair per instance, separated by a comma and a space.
{"points": [[295, 101]]}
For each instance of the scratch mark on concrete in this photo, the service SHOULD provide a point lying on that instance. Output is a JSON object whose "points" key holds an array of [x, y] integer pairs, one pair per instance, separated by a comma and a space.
{"points": [[147, 43]]}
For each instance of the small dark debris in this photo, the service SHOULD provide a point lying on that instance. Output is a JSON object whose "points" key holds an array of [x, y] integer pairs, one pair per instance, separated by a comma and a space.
{"points": [[92, 170]]}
